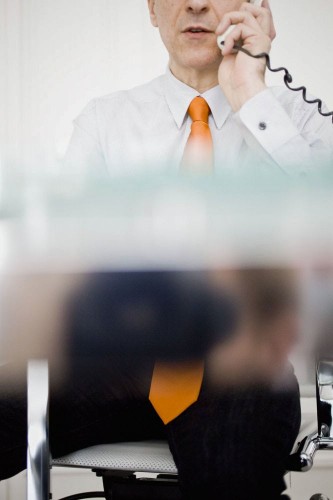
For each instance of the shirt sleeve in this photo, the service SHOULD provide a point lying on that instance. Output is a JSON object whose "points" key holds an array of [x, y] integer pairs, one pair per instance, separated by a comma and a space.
{"points": [[84, 155], [291, 133]]}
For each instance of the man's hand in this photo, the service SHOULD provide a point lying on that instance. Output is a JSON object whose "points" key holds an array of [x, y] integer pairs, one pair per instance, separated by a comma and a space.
{"points": [[268, 328], [253, 356], [240, 76]]}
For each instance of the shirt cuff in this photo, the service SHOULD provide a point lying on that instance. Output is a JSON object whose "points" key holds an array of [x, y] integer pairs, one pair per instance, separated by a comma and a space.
{"points": [[267, 120]]}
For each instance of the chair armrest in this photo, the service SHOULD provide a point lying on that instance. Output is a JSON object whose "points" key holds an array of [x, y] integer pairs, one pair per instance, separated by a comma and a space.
{"points": [[38, 457]]}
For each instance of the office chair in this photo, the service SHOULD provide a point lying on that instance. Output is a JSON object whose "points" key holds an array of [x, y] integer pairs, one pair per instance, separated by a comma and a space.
{"points": [[322, 437], [120, 465]]}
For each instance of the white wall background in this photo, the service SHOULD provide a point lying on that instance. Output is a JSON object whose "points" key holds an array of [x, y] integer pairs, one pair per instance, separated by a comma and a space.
{"points": [[57, 54]]}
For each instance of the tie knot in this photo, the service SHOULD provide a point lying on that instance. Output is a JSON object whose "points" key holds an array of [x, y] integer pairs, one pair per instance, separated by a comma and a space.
{"points": [[199, 110]]}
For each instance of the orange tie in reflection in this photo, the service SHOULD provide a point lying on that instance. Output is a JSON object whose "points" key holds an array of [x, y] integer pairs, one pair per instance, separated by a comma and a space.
{"points": [[198, 154], [175, 386]]}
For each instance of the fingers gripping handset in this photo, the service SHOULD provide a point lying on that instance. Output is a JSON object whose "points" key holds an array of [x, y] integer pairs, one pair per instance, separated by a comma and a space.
{"points": [[262, 53], [221, 38]]}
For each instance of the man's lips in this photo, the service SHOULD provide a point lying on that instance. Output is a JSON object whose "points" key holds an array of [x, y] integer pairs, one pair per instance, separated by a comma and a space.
{"points": [[197, 32], [197, 29]]}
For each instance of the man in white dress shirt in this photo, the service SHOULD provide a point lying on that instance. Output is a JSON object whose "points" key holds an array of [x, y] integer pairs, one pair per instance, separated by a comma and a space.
{"points": [[234, 444], [271, 129], [147, 127]]}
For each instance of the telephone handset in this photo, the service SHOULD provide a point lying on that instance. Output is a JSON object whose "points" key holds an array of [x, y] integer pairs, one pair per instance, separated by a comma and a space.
{"points": [[287, 76], [221, 38]]}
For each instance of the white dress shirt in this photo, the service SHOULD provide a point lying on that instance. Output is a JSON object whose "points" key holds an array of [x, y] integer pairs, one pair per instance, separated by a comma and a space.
{"points": [[146, 129]]}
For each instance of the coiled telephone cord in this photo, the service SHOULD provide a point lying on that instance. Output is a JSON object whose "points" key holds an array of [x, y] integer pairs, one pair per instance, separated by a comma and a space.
{"points": [[287, 80]]}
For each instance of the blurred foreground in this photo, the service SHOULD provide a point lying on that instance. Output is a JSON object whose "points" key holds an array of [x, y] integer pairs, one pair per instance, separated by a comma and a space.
{"points": [[232, 271]]}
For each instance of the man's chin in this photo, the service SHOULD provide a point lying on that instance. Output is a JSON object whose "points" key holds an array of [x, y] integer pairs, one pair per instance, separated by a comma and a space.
{"points": [[203, 62]]}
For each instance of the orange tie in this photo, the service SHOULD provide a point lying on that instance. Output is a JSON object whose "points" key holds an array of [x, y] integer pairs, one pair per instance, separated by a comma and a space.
{"points": [[198, 154], [175, 386]]}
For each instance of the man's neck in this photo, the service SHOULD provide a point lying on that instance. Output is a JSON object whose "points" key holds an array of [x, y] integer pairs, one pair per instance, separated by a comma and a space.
{"points": [[201, 81]]}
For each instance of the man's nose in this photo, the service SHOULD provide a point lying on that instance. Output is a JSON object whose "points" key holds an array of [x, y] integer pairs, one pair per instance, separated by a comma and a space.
{"points": [[197, 6]]}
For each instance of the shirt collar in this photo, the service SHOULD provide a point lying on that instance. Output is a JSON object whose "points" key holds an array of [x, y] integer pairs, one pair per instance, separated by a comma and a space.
{"points": [[178, 96]]}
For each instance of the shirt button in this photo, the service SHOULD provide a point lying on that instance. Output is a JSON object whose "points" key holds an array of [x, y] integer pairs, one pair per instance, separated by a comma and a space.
{"points": [[262, 126]]}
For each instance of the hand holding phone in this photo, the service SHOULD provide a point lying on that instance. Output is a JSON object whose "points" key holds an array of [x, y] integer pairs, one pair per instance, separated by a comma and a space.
{"points": [[233, 75], [221, 38], [241, 77]]}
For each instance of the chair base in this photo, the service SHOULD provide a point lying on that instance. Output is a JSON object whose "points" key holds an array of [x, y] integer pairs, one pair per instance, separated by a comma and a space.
{"points": [[163, 487], [81, 496]]}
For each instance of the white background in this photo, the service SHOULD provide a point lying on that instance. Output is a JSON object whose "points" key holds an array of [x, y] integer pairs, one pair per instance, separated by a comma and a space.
{"points": [[55, 55]]}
